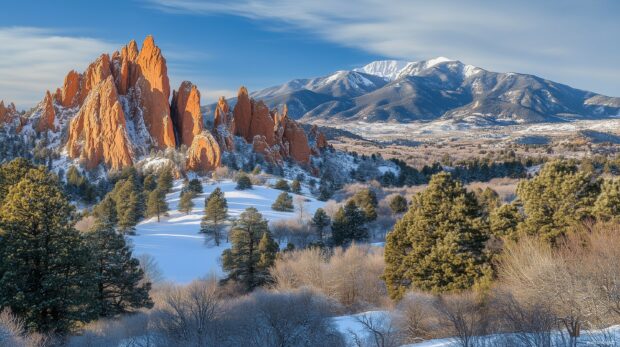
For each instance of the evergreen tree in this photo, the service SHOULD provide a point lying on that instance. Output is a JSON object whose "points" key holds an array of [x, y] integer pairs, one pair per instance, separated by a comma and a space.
{"points": [[556, 199], [156, 204], [366, 200], [348, 225], [243, 181], [320, 221], [118, 277], [195, 186], [185, 203], [398, 204], [488, 199], [607, 205], [296, 186], [245, 262], [282, 184], [105, 211], [129, 205], [150, 183], [216, 212], [504, 221], [325, 192], [268, 249], [439, 243], [45, 273], [11, 173], [164, 180], [284, 203]]}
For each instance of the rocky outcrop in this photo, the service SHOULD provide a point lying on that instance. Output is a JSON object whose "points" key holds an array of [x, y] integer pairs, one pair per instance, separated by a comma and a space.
{"points": [[270, 154], [98, 133], [204, 154], [294, 139], [8, 114], [242, 115], [47, 115], [186, 114], [150, 78], [222, 125], [68, 95], [318, 141]]}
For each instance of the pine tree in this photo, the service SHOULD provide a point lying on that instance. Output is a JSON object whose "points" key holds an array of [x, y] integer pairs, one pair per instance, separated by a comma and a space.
{"points": [[488, 199], [118, 277], [216, 212], [268, 249], [282, 184], [164, 180], [398, 203], [156, 204], [284, 203], [348, 225], [195, 186], [558, 198], [366, 200], [128, 205], [105, 211], [150, 183], [45, 272], [243, 181], [439, 243], [11, 173], [185, 203], [320, 221], [296, 186], [504, 221], [245, 262], [607, 205]]}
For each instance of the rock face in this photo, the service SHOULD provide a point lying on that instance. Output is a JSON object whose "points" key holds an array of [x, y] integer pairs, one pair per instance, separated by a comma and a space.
{"points": [[294, 140], [204, 154], [98, 133], [48, 115], [186, 114], [67, 96], [223, 126], [318, 142], [242, 114], [7, 113]]}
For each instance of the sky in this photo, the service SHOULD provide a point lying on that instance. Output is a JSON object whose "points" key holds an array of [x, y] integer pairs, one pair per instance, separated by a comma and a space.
{"points": [[220, 44]]}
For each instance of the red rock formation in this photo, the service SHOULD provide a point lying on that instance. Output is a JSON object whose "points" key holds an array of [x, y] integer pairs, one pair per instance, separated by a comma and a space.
{"points": [[294, 139], [48, 114], [271, 154], [318, 139], [98, 134], [67, 96], [262, 123], [204, 155], [242, 115], [187, 117], [96, 72], [222, 125], [150, 77], [7, 113]]}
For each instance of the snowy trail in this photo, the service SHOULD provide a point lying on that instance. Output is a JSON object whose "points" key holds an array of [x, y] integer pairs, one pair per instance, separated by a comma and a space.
{"points": [[182, 253]]}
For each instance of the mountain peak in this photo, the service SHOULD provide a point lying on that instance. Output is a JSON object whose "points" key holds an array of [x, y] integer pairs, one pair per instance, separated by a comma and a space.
{"points": [[387, 69]]}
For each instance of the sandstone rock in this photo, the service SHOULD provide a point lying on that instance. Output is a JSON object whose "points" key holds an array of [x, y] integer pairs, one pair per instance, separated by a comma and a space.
{"points": [[8, 114], [318, 140], [271, 154], [96, 72], [294, 139], [262, 123], [48, 114], [187, 117], [204, 154], [98, 133], [150, 78], [222, 126], [220, 116], [242, 115], [70, 89]]}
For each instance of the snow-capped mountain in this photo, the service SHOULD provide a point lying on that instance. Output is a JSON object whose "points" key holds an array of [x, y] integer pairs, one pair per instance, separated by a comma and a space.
{"points": [[438, 88]]}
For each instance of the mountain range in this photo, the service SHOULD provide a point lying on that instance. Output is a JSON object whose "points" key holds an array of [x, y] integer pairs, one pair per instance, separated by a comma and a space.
{"points": [[440, 88]]}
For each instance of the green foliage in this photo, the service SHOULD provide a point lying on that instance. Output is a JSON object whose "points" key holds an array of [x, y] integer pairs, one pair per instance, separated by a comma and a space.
{"points": [[282, 184], [439, 243], [348, 225], [78, 186], [247, 261], [195, 186], [325, 192], [243, 181], [320, 221], [117, 276], [366, 200], [185, 203], [129, 204], [296, 186], [165, 179], [607, 205], [11, 173], [150, 183], [488, 199], [256, 170], [45, 276], [216, 212], [156, 204], [398, 204], [556, 199], [284, 203], [504, 221], [105, 211]]}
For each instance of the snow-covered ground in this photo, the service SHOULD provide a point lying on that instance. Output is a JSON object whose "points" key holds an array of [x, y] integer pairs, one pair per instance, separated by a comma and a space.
{"points": [[182, 253]]}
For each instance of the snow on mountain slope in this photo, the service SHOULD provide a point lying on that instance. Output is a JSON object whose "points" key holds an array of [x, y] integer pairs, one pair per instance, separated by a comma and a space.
{"points": [[182, 253], [388, 69]]}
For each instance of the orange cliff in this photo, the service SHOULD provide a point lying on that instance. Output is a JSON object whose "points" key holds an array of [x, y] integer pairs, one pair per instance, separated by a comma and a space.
{"points": [[204, 154], [98, 133], [48, 114], [186, 114]]}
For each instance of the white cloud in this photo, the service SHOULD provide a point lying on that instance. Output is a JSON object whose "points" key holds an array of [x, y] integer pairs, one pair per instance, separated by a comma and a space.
{"points": [[36, 59], [556, 39]]}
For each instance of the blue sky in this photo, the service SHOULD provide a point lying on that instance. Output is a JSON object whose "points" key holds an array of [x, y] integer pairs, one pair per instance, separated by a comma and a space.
{"points": [[220, 45]]}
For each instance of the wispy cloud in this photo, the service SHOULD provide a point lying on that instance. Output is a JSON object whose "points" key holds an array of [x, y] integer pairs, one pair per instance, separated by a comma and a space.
{"points": [[35, 59], [558, 39]]}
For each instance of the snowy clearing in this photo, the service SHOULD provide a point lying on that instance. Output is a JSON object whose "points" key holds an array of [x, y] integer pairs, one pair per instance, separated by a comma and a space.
{"points": [[182, 253]]}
